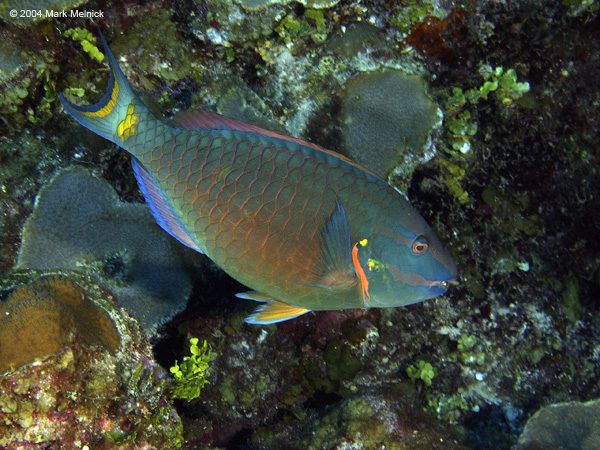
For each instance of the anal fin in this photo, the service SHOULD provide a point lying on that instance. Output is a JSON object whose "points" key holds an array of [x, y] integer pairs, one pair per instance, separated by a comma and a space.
{"points": [[273, 311], [160, 208]]}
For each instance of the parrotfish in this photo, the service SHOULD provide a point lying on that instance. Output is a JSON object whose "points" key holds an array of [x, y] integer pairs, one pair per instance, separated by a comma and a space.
{"points": [[304, 227]]}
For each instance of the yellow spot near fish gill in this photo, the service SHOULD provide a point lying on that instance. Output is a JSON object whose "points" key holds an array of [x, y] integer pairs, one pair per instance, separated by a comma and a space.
{"points": [[107, 109], [127, 128], [374, 265]]}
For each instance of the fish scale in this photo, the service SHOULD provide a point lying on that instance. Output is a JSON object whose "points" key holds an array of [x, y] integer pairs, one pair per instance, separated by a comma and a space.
{"points": [[304, 227]]}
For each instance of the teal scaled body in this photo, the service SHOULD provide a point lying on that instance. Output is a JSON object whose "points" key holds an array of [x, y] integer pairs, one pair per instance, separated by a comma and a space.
{"points": [[304, 227]]}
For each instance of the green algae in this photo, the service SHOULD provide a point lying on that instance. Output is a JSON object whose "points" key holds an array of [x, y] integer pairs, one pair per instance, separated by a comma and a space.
{"points": [[570, 298], [87, 40], [406, 17], [190, 376], [422, 370], [17, 103], [445, 405], [312, 23], [461, 124], [455, 175]]}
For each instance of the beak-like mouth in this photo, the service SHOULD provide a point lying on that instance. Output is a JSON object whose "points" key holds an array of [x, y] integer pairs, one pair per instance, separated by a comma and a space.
{"points": [[445, 284], [440, 284]]}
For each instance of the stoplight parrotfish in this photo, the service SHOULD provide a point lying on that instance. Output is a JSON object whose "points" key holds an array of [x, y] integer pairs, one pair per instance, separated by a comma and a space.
{"points": [[304, 227]]}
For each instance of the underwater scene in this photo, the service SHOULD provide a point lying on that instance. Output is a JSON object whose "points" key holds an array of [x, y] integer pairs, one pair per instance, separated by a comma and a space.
{"points": [[300, 224]]}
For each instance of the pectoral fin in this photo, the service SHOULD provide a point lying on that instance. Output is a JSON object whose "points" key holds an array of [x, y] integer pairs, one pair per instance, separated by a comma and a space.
{"points": [[333, 268], [272, 311]]}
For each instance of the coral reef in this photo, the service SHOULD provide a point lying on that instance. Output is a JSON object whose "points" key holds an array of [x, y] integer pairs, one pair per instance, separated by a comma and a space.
{"points": [[79, 224], [513, 191], [169, 59], [563, 426], [39, 319], [22, 72], [83, 396], [370, 421]]}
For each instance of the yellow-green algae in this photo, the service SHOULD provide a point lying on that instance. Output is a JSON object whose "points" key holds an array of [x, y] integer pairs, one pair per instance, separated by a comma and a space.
{"points": [[87, 40], [190, 376]]}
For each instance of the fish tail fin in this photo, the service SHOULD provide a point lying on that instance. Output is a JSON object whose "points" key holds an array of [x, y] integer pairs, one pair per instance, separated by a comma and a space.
{"points": [[117, 115]]}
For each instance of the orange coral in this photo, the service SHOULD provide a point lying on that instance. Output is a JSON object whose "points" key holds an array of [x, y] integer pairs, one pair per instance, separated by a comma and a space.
{"points": [[39, 319]]}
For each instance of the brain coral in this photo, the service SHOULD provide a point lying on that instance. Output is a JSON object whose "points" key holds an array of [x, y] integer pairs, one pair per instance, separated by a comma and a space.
{"points": [[38, 319], [79, 224], [387, 119], [83, 396]]}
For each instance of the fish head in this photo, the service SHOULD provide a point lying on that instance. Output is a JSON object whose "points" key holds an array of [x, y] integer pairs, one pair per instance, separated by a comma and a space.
{"points": [[405, 263]]}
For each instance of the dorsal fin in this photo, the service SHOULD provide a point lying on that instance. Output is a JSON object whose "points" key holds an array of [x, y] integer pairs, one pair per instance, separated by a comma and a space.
{"points": [[204, 120], [199, 119]]}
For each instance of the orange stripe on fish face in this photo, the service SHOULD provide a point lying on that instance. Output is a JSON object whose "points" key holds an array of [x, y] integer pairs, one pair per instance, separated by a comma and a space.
{"points": [[364, 283]]}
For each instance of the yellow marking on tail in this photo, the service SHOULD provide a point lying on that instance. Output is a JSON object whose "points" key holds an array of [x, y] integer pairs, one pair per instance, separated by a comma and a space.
{"points": [[126, 127], [106, 110]]}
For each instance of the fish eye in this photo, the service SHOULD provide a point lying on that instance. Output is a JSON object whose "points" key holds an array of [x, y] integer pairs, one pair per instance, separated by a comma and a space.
{"points": [[420, 245]]}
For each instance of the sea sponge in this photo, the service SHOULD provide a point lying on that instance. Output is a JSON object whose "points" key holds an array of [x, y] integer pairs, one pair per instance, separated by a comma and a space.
{"points": [[387, 119], [80, 224], [38, 320]]}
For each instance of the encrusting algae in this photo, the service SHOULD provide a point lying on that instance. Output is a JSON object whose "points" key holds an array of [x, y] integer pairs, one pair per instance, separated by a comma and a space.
{"points": [[40, 318]]}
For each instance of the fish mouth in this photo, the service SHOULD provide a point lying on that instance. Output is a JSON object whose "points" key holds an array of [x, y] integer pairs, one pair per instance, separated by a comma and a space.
{"points": [[445, 284], [442, 285]]}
